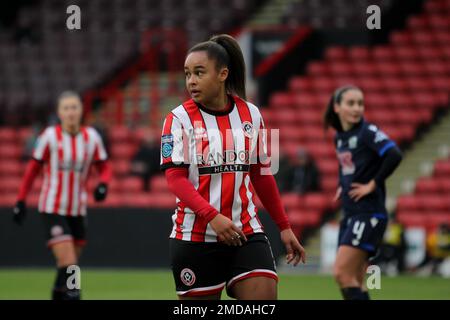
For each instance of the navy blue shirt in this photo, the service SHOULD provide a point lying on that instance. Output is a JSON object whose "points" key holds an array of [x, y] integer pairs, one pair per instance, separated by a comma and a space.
{"points": [[359, 151]]}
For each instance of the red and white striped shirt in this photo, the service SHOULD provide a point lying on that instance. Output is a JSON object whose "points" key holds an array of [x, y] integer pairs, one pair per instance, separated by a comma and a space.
{"points": [[67, 160], [218, 148]]}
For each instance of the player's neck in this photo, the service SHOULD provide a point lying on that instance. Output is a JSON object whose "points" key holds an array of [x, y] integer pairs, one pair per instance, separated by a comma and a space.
{"points": [[220, 103], [347, 126], [73, 130]]}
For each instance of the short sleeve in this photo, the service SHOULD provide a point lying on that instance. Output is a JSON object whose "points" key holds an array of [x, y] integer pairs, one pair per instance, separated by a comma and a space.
{"points": [[377, 140], [100, 153], [172, 144], [263, 157], [41, 150]]}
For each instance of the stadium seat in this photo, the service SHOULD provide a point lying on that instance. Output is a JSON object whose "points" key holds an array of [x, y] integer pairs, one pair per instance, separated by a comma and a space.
{"points": [[121, 167], [131, 184], [427, 186], [336, 53], [304, 218], [299, 84], [122, 151], [358, 53], [159, 184], [316, 69], [411, 220], [162, 200], [8, 134], [281, 100], [11, 168], [10, 150], [291, 201], [442, 168], [408, 203], [119, 134], [435, 203]]}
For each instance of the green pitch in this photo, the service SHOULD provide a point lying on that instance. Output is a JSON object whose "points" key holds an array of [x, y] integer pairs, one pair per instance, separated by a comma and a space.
{"points": [[143, 284]]}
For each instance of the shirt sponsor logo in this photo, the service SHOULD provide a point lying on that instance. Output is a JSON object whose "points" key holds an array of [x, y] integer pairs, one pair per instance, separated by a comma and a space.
{"points": [[226, 157], [71, 166], [347, 165], [353, 142], [223, 169], [200, 133]]}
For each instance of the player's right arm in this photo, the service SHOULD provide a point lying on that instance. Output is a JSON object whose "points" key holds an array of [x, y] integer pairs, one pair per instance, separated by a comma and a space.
{"points": [[179, 184], [41, 154]]}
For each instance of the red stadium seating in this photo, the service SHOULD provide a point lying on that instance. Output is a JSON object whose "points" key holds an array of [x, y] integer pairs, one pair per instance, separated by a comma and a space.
{"points": [[405, 81], [429, 205], [131, 185], [159, 184]]}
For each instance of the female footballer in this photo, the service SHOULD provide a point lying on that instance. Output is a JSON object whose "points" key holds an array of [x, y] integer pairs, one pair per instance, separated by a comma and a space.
{"points": [[66, 152], [366, 158], [213, 154]]}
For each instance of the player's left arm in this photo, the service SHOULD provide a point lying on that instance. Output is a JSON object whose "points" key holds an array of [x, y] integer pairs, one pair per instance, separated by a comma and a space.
{"points": [[390, 155], [103, 166]]}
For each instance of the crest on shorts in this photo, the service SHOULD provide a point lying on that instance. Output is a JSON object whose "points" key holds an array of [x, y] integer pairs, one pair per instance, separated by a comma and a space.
{"points": [[248, 129], [56, 231], [187, 276]]}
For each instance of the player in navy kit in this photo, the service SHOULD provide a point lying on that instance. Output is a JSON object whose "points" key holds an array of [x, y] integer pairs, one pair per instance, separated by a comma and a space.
{"points": [[366, 158]]}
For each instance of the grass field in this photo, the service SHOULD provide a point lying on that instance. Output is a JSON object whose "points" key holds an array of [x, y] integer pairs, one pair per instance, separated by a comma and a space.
{"points": [[142, 284]]}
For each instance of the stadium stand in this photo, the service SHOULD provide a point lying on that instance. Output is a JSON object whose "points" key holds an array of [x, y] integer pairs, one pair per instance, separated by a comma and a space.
{"points": [[45, 58], [429, 205], [406, 82]]}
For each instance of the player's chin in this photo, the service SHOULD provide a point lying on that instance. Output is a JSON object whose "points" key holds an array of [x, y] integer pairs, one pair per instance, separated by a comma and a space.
{"points": [[197, 99], [355, 120]]}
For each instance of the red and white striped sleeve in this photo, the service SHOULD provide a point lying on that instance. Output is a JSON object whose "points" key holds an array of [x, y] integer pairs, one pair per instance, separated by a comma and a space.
{"points": [[172, 143], [100, 153], [263, 157], [41, 150]]}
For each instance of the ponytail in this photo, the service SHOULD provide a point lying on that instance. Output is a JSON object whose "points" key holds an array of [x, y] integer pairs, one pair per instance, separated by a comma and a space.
{"points": [[225, 50], [330, 117]]}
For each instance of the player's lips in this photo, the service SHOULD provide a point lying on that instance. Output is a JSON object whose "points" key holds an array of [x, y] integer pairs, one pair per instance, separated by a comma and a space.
{"points": [[195, 93]]}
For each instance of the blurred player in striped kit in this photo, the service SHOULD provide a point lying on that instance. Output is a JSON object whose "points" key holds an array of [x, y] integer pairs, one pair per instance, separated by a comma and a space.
{"points": [[213, 153], [65, 152]]}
